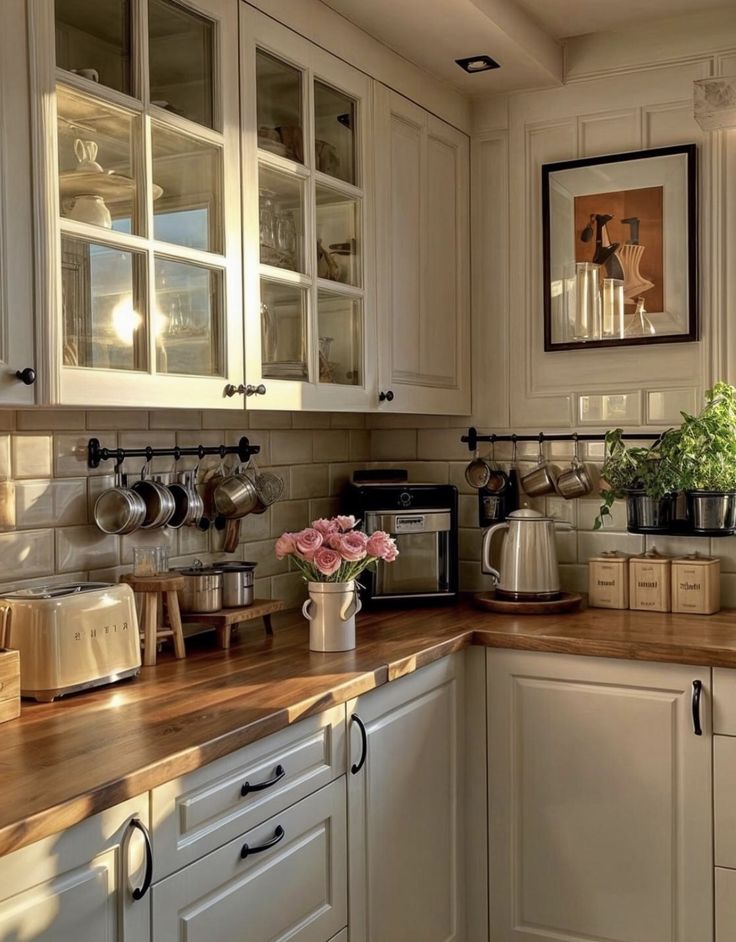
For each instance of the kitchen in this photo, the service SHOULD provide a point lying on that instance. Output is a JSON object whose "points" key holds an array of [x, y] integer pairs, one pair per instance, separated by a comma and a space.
{"points": [[319, 233]]}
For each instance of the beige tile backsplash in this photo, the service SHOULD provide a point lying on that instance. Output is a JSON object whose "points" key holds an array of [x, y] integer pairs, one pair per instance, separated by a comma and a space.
{"points": [[47, 492]]}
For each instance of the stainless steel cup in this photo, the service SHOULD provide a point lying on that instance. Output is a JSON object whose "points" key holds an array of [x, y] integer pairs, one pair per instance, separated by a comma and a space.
{"points": [[540, 480], [575, 482]]}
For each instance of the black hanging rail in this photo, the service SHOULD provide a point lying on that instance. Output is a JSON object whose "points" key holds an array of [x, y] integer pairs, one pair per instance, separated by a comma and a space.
{"points": [[96, 453], [472, 438]]}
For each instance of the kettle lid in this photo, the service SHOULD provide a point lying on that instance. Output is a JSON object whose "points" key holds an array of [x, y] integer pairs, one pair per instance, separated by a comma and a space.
{"points": [[526, 513]]}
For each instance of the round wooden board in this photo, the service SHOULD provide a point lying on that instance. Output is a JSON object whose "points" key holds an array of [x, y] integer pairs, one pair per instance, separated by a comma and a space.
{"points": [[567, 602]]}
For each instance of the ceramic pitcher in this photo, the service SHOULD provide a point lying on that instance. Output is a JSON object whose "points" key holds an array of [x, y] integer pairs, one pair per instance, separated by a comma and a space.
{"points": [[331, 609]]}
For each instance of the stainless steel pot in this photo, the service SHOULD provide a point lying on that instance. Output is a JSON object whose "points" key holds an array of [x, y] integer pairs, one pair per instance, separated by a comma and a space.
{"points": [[712, 513], [237, 584], [119, 509], [189, 506], [159, 501], [646, 514], [202, 592]]}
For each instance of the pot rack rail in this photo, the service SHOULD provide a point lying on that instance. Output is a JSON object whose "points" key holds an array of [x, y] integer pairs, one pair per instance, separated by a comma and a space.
{"points": [[472, 439], [97, 454]]}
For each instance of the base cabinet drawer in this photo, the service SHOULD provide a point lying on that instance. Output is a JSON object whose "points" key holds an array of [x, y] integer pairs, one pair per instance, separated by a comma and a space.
{"points": [[205, 809], [285, 879], [725, 905]]}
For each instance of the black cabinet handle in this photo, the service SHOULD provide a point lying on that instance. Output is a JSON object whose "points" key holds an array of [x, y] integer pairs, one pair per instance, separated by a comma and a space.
{"points": [[695, 703], [140, 891], [357, 766], [247, 788], [27, 376], [386, 396], [278, 835]]}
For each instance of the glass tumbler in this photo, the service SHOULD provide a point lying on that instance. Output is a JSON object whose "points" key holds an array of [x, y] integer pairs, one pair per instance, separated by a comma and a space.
{"points": [[150, 560]]}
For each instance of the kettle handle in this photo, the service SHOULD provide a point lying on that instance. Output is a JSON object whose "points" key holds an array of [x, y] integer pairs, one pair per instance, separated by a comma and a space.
{"points": [[486, 566]]}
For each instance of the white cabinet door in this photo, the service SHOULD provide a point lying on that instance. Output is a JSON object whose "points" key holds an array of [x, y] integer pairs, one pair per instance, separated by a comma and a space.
{"points": [[16, 246], [599, 799], [725, 905], [422, 167], [78, 886], [283, 880], [308, 223], [405, 810]]}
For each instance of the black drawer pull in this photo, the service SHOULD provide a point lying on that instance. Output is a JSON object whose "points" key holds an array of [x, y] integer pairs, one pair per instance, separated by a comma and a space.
{"points": [[278, 835], [697, 690], [140, 891], [357, 766], [247, 788]]}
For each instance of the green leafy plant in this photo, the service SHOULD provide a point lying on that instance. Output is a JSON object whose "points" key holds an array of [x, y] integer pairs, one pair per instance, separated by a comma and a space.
{"points": [[649, 468], [704, 447]]}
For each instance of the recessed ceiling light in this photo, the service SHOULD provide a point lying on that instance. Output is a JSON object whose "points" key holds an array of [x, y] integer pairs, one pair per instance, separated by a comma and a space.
{"points": [[478, 63]]}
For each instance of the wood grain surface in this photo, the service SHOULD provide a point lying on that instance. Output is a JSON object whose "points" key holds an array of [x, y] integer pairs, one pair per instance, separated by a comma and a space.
{"points": [[61, 762]]}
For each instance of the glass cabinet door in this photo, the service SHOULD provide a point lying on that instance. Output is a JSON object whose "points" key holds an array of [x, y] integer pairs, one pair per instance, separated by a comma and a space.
{"points": [[309, 218], [148, 199]]}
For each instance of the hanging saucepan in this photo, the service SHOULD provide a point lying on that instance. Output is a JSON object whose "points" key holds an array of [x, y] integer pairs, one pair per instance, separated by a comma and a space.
{"points": [[119, 509], [158, 499], [236, 495], [189, 505]]}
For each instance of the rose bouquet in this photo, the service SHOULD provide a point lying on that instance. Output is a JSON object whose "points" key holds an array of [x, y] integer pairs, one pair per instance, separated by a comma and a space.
{"points": [[335, 550]]}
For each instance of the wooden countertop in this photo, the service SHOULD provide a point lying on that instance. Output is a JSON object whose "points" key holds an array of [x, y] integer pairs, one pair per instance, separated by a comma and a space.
{"points": [[62, 762]]}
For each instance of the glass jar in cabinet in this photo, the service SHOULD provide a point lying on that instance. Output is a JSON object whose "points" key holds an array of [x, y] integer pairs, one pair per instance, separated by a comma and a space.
{"points": [[136, 164], [308, 196]]}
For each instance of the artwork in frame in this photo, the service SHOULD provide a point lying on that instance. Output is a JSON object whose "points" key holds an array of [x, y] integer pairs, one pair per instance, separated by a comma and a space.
{"points": [[620, 249]]}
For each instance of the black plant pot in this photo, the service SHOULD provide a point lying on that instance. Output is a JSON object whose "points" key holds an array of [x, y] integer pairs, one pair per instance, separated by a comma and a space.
{"points": [[712, 513], [649, 514]]}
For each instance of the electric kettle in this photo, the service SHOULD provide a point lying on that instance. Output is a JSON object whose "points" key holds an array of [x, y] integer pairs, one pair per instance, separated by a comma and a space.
{"points": [[528, 570]]}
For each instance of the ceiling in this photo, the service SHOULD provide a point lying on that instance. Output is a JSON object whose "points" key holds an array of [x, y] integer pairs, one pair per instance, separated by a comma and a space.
{"points": [[524, 36]]}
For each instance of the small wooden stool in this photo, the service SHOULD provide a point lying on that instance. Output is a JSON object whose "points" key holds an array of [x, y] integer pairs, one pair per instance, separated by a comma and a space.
{"points": [[153, 589], [228, 618]]}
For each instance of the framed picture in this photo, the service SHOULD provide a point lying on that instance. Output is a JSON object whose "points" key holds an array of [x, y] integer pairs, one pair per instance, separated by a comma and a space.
{"points": [[620, 249]]}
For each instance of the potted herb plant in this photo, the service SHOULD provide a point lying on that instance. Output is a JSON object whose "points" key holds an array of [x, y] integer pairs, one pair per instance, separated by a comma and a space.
{"points": [[646, 476], [704, 452]]}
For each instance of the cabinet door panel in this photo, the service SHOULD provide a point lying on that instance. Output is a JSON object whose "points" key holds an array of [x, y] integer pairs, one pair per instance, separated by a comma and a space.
{"points": [[405, 813], [296, 890], [599, 793], [725, 905]]}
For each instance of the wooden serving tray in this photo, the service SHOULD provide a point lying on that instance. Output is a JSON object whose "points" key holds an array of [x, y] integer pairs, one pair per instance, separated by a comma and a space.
{"points": [[567, 602]]}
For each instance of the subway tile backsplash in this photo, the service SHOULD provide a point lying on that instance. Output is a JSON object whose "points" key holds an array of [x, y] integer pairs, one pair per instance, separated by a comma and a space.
{"points": [[47, 493]]}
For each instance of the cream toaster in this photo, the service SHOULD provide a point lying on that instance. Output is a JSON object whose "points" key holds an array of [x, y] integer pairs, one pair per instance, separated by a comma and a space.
{"points": [[71, 637]]}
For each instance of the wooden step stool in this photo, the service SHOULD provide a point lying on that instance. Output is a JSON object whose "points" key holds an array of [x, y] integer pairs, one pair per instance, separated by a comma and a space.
{"points": [[228, 618], [154, 590]]}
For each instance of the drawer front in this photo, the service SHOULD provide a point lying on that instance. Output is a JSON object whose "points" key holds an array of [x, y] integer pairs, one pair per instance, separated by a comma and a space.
{"points": [[725, 905], [205, 809], [296, 889], [724, 701], [724, 800]]}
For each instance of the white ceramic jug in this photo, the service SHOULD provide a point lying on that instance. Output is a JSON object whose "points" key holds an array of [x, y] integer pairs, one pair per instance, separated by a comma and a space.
{"points": [[331, 609], [528, 570]]}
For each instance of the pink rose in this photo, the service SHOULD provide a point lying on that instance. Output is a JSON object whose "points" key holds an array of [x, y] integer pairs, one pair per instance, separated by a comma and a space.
{"points": [[391, 552], [377, 543], [327, 561], [308, 541], [285, 545], [334, 540], [353, 546], [345, 522], [324, 526]]}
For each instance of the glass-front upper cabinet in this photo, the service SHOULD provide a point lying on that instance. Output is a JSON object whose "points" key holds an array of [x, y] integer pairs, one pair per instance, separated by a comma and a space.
{"points": [[139, 176], [307, 195]]}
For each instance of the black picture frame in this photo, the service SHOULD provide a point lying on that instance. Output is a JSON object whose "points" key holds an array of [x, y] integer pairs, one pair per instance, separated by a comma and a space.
{"points": [[690, 233]]}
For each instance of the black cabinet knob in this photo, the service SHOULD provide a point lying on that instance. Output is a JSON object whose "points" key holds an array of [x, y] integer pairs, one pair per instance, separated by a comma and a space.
{"points": [[27, 376], [251, 390], [386, 396]]}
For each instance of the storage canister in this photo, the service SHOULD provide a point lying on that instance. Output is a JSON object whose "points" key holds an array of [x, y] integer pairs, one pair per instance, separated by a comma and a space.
{"points": [[202, 592], [608, 580], [237, 584], [650, 581], [696, 584]]}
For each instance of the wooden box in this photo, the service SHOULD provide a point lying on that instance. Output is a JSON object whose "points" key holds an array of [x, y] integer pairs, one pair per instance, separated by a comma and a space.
{"points": [[696, 584], [9, 685], [608, 580], [650, 582]]}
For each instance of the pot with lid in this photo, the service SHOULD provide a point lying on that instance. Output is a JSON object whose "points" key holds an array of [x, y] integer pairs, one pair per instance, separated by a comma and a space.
{"points": [[202, 592], [528, 569], [238, 580]]}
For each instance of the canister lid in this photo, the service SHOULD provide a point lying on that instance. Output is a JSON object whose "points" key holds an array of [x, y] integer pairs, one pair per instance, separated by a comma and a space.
{"points": [[610, 556], [237, 566], [696, 559]]}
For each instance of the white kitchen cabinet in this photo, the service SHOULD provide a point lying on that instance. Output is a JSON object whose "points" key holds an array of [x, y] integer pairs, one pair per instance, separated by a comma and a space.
{"points": [[285, 879], [16, 244], [77, 886], [135, 127], [423, 244], [405, 808], [725, 905], [308, 223], [600, 800]]}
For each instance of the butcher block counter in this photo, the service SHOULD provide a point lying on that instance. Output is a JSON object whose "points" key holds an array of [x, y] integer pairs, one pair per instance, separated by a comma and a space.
{"points": [[62, 762]]}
